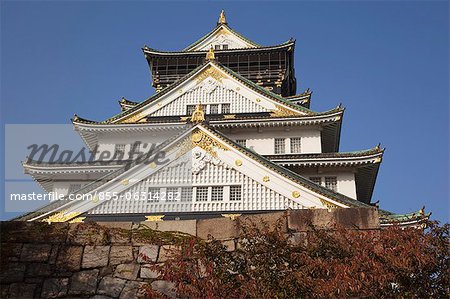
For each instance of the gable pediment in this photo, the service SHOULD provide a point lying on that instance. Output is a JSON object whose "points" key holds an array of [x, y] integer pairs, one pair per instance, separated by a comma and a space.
{"points": [[211, 84]]}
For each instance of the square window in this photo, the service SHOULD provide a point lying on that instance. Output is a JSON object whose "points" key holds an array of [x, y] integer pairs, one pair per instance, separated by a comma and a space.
{"points": [[119, 150], [216, 47], [296, 145], [201, 194], [190, 109], [73, 188], [316, 179], [216, 193], [235, 193], [331, 183], [225, 47], [279, 146], [242, 142], [172, 194], [153, 194], [226, 108], [214, 109], [186, 194]]}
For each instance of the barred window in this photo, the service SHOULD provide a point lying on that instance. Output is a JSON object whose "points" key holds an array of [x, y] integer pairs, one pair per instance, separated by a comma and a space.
{"points": [[331, 183], [73, 188], [201, 194], [190, 109], [172, 194], [225, 47], [279, 146], [242, 142], [216, 193], [186, 194], [316, 179], [153, 194], [119, 150], [296, 145], [235, 193], [225, 108], [214, 109], [216, 47]]}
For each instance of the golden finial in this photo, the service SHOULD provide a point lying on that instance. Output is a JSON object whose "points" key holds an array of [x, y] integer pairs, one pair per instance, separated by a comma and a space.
{"points": [[222, 19], [198, 115], [210, 55]]}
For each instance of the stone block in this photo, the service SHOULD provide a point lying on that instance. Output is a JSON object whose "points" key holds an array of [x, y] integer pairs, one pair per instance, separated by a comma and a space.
{"points": [[147, 272], [166, 252], [87, 234], [111, 286], [35, 252], [39, 270], [95, 256], [127, 271], [266, 220], [69, 258], [22, 290], [120, 254], [55, 287], [37, 232], [10, 251], [132, 290], [182, 226], [12, 272], [358, 218], [218, 228], [307, 219], [147, 253], [164, 287], [84, 282]]}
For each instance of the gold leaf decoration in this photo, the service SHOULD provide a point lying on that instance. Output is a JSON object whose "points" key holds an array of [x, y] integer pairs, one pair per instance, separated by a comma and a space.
{"points": [[238, 162], [204, 141], [210, 72], [328, 204], [154, 218], [296, 194], [231, 216], [62, 216], [281, 111], [266, 178]]}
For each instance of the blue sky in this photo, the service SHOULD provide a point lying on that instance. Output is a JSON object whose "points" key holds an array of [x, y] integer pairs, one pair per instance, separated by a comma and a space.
{"points": [[386, 61]]}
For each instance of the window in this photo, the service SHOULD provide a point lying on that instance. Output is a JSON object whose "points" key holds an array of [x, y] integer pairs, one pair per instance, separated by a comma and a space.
{"points": [[172, 194], [186, 194], [279, 145], [216, 47], [216, 193], [214, 109], [119, 150], [201, 194], [73, 188], [317, 180], [225, 47], [153, 194], [331, 183], [225, 108], [242, 142], [296, 145], [135, 148], [190, 109], [235, 193]]}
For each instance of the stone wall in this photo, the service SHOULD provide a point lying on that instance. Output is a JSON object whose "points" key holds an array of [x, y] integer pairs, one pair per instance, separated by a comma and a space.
{"points": [[105, 260]]}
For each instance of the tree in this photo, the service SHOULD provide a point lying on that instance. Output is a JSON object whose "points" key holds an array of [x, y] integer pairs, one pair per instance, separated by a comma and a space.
{"points": [[268, 263]]}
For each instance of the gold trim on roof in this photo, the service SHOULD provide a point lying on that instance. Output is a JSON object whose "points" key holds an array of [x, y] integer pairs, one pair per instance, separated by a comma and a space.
{"points": [[231, 216], [210, 54], [60, 217], [210, 72], [281, 111], [204, 141], [328, 204], [154, 218], [296, 194], [198, 115]]}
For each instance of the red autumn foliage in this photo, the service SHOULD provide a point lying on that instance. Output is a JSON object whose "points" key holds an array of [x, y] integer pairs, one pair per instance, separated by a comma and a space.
{"points": [[340, 263]]}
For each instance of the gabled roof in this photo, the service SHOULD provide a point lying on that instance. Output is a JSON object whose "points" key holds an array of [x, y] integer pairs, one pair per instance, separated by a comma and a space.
{"points": [[153, 100], [126, 104], [222, 25]]}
